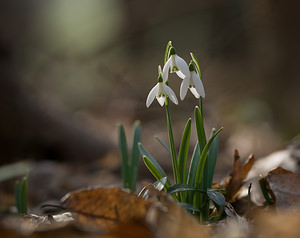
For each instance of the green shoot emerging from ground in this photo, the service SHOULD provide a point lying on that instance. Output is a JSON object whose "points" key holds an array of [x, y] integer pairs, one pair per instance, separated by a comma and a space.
{"points": [[21, 196], [130, 161], [192, 186]]}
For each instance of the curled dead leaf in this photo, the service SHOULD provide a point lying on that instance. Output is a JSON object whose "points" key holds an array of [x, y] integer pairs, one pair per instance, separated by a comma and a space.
{"points": [[284, 186], [237, 176]]}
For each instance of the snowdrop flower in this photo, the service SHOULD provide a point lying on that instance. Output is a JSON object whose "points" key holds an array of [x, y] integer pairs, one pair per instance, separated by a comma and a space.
{"points": [[175, 64], [191, 81], [160, 91]]}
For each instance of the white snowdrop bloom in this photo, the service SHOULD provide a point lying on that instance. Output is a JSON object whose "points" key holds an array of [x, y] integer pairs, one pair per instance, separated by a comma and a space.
{"points": [[160, 91], [193, 82], [175, 64]]}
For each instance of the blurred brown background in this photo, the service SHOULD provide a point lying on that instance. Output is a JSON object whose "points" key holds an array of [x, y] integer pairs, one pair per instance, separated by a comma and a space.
{"points": [[71, 70]]}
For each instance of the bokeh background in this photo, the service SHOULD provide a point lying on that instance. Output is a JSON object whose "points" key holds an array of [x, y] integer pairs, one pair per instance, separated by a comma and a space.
{"points": [[72, 70]]}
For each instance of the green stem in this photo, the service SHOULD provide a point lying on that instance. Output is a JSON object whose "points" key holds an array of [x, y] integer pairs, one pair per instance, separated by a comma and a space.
{"points": [[201, 107], [172, 144], [204, 184]]}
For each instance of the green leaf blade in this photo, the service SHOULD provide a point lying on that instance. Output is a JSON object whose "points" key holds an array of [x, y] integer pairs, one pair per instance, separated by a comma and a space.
{"points": [[23, 193], [183, 151], [124, 155], [212, 159], [163, 144], [203, 158], [155, 171], [216, 197], [200, 129], [200, 169], [180, 188], [145, 153], [135, 155], [189, 207], [193, 171]]}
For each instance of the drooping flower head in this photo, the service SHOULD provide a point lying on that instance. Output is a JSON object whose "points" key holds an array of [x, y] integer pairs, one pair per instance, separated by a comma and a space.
{"points": [[174, 64], [191, 81], [160, 91]]}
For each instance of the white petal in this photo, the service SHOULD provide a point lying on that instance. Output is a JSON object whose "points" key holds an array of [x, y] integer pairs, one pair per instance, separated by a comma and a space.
{"points": [[166, 68], [161, 100], [180, 74], [194, 91], [198, 84], [183, 88], [151, 95], [171, 94], [182, 65]]}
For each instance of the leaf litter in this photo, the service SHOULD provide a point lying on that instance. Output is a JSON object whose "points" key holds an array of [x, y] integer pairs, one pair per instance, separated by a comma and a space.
{"points": [[114, 212]]}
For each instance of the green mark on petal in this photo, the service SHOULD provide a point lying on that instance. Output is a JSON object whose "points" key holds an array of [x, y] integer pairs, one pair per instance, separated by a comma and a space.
{"points": [[172, 51], [174, 69], [191, 66]]}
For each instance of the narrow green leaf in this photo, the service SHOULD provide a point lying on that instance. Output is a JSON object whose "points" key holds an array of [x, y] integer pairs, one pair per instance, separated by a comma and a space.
{"points": [[189, 207], [172, 146], [204, 156], [265, 191], [196, 63], [163, 144], [192, 172], [199, 173], [212, 159], [156, 171], [193, 166], [134, 163], [23, 195], [200, 129], [167, 52], [181, 188], [216, 197], [124, 156], [183, 151], [220, 190], [144, 152]]}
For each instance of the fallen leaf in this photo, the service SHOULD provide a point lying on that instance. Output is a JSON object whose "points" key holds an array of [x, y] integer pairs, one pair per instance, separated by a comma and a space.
{"points": [[237, 176], [286, 159], [104, 209], [133, 229], [274, 224], [112, 213], [168, 219], [284, 186]]}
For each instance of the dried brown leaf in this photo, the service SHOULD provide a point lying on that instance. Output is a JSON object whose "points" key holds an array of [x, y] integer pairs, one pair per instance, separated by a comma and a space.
{"points": [[284, 187], [274, 224], [114, 213], [104, 209], [237, 176], [169, 219], [133, 229]]}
